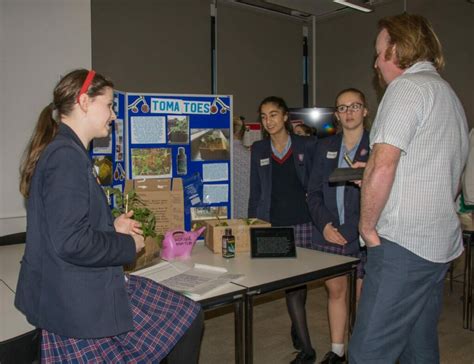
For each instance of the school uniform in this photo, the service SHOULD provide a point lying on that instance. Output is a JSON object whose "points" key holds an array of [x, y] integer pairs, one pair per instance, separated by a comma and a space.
{"points": [[282, 203], [323, 197], [71, 282]]}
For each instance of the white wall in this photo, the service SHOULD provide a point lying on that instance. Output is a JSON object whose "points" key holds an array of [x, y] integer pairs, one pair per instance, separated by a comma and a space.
{"points": [[39, 41]]}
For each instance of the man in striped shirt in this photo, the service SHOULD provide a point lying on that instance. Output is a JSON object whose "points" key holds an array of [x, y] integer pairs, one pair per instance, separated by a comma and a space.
{"points": [[408, 218]]}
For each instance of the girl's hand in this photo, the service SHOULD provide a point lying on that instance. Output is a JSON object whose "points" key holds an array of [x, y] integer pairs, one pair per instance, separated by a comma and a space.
{"points": [[358, 165], [139, 242], [126, 225], [331, 234]]}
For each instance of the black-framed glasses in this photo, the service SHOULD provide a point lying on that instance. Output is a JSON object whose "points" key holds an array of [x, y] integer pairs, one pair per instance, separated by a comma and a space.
{"points": [[356, 106]]}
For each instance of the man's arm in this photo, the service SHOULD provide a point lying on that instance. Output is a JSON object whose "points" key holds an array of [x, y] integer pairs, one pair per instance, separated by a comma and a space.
{"points": [[377, 184]]}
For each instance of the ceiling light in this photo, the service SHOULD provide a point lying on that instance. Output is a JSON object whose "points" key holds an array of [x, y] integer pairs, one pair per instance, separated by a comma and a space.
{"points": [[355, 4]]}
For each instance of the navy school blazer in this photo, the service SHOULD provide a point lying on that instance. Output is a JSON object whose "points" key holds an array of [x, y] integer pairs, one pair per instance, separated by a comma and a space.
{"points": [[261, 172], [322, 200], [71, 280]]}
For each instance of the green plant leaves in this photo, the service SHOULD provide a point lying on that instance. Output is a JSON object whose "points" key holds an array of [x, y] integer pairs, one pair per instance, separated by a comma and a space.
{"points": [[131, 201]]}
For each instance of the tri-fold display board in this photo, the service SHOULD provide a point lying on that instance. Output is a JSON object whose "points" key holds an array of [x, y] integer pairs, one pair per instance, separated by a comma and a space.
{"points": [[108, 154], [170, 136]]}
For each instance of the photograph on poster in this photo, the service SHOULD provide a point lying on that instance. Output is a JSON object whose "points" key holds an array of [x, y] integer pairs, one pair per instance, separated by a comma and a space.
{"points": [[178, 129], [210, 144], [118, 152], [118, 126], [118, 140], [116, 104], [200, 214], [103, 169], [213, 172], [113, 201], [208, 213], [102, 145], [215, 193], [148, 129], [151, 162]]}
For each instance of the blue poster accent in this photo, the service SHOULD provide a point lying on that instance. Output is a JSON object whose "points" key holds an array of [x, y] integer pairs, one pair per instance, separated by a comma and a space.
{"points": [[182, 136]]}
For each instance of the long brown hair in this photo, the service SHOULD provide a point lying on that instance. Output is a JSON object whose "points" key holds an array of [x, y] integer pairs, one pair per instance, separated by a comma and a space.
{"points": [[64, 97], [414, 38]]}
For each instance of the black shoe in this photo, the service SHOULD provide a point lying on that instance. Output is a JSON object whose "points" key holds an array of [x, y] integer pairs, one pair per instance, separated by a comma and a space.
{"points": [[304, 358], [295, 339], [333, 358]]}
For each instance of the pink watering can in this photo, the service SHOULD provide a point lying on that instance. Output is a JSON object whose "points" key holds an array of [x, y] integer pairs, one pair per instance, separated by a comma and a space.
{"points": [[179, 243]]}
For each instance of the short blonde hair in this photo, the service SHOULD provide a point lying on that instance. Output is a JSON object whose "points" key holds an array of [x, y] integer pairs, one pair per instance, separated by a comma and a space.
{"points": [[414, 38]]}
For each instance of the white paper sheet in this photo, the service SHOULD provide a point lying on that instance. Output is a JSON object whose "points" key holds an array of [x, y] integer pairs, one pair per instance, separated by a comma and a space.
{"points": [[148, 129], [215, 193], [212, 172], [193, 282]]}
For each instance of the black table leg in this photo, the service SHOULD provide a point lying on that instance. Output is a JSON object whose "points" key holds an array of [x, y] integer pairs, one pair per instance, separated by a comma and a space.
{"points": [[352, 298], [249, 328], [238, 325], [467, 284]]}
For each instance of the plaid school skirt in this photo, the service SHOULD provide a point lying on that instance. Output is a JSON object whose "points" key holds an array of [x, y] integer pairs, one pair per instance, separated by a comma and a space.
{"points": [[303, 235], [338, 249], [160, 316]]}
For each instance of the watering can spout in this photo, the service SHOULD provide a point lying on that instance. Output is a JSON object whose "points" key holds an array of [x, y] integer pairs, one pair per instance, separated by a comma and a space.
{"points": [[199, 231]]}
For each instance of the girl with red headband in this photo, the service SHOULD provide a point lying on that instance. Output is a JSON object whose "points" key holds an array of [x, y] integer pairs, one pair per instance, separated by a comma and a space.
{"points": [[72, 285]]}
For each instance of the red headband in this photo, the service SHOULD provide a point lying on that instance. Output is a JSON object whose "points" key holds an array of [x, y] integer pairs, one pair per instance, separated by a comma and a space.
{"points": [[86, 84]]}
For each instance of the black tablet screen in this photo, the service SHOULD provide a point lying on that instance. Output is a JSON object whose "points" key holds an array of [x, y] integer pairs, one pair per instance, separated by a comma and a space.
{"points": [[273, 242]]}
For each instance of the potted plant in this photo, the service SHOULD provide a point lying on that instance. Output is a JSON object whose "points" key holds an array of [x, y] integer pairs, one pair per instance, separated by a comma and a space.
{"points": [[131, 201]]}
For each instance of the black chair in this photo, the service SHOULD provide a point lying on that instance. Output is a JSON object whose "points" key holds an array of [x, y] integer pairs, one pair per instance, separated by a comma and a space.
{"points": [[18, 238], [21, 349]]}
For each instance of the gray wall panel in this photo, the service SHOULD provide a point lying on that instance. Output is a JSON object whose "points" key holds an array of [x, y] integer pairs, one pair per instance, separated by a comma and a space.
{"points": [[258, 54], [153, 45]]}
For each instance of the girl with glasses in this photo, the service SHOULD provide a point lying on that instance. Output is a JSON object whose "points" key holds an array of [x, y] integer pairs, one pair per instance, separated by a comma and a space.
{"points": [[334, 207]]}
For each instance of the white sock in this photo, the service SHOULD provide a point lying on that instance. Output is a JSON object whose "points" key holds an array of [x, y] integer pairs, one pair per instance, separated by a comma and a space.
{"points": [[337, 349]]}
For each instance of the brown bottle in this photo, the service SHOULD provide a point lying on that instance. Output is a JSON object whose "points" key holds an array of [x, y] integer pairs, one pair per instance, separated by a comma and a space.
{"points": [[228, 244]]}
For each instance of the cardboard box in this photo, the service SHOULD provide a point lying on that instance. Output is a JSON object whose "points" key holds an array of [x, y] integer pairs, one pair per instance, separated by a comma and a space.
{"points": [[146, 256], [240, 229], [164, 197]]}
